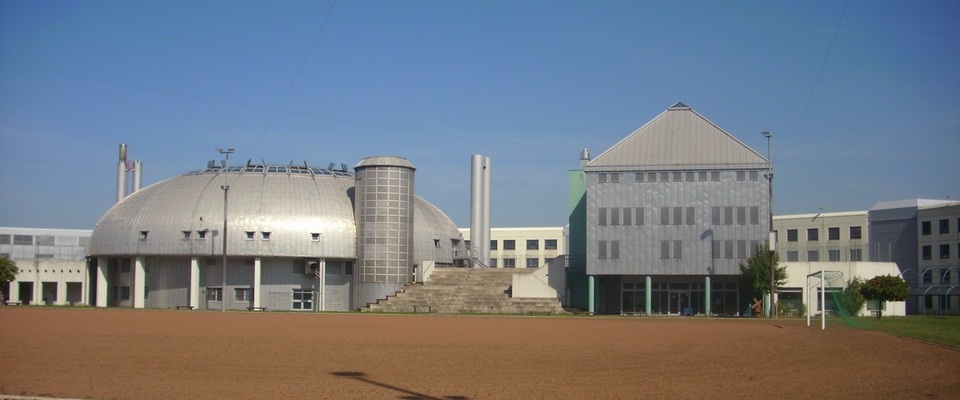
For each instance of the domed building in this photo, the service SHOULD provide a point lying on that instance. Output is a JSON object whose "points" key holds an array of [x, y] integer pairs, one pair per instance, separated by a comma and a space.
{"points": [[297, 238]]}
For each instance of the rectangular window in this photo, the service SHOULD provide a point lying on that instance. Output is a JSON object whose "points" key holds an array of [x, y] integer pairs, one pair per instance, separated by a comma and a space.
{"points": [[833, 233], [715, 249], [728, 215], [25, 240], [728, 249], [533, 244], [638, 215], [691, 216], [602, 249], [627, 217], [143, 235], [550, 244], [944, 226], [302, 299], [754, 215], [944, 251], [615, 216], [715, 176], [493, 245], [742, 249], [614, 178], [601, 178], [614, 249], [651, 176], [689, 176], [242, 294], [493, 263], [926, 252], [677, 215], [677, 250], [214, 294], [945, 278], [678, 177], [925, 228], [638, 177], [833, 255], [793, 255], [741, 215], [249, 234], [741, 176], [665, 216], [715, 215], [855, 233], [124, 292], [856, 255], [533, 262], [754, 176], [186, 235], [813, 234], [602, 216], [664, 177], [927, 277], [792, 235], [928, 301], [664, 249], [509, 244], [5, 239], [702, 176], [265, 235], [315, 236], [813, 255], [509, 262]]}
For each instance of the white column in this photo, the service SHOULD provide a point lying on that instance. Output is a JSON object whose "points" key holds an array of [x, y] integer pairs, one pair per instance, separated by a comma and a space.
{"points": [[194, 291], [101, 299], [61, 292], [256, 281], [139, 282], [14, 290], [322, 293]]}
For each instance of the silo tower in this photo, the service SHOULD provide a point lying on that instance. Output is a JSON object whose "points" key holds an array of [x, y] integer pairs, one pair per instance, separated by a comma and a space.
{"points": [[384, 205]]}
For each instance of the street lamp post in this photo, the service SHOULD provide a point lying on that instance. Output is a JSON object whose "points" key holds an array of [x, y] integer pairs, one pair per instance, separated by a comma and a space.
{"points": [[770, 240], [226, 190]]}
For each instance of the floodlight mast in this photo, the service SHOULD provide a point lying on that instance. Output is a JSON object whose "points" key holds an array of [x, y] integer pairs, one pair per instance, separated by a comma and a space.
{"points": [[226, 189], [770, 236]]}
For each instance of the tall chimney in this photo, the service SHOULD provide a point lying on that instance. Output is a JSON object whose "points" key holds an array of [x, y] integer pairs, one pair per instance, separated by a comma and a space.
{"points": [[480, 208], [122, 174], [137, 175]]}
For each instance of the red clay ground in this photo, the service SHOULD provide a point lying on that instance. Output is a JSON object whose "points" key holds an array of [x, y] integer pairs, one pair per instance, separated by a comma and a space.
{"points": [[126, 354]]}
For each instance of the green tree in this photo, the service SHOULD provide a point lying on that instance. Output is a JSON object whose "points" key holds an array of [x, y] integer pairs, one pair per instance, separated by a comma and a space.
{"points": [[852, 298], [885, 288], [8, 271], [755, 274]]}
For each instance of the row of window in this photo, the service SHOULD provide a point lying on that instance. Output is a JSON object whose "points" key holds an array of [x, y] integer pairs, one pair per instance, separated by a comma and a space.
{"points": [[44, 240], [833, 233], [726, 215], [926, 252], [532, 244], [943, 275], [250, 235], [676, 176], [673, 249], [926, 227], [832, 255], [512, 262]]}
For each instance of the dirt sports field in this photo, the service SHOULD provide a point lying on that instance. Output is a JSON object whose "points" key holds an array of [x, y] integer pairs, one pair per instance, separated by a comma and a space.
{"points": [[126, 354]]}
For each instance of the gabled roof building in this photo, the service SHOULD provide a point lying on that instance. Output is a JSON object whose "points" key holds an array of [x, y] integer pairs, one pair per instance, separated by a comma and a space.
{"points": [[660, 220]]}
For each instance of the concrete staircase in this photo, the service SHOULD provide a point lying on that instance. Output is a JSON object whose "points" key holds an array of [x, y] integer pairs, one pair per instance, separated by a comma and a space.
{"points": [[466, 290]]}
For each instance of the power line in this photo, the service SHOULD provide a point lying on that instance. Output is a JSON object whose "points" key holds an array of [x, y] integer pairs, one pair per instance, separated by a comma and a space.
{"points": [[816, 82]]}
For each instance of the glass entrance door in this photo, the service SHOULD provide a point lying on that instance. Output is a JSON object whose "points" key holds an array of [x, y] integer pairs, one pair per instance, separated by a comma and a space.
{"points": [[679, 303]]}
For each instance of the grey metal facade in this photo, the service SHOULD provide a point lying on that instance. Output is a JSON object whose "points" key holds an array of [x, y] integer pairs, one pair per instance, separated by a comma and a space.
{"points": [[679, 196]]}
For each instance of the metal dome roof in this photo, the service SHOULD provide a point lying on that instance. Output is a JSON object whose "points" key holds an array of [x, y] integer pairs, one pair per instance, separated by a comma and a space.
{"points": [[273, 210]]}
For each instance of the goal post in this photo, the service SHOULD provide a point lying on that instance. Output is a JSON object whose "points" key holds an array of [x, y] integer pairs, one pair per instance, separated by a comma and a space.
{"points": [[822, 280]]}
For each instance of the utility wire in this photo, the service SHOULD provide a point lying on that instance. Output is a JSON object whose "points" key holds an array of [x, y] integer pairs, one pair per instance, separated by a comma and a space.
{"points": [[816, 83]]}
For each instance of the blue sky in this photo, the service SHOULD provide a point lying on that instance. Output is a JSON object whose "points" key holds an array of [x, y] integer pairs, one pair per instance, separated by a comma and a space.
{"points": [[862, 97]]}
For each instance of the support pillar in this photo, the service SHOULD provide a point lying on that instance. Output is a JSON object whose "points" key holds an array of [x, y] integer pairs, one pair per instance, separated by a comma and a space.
{"points": [[194, 291], [256, 281], [101, 300], [14, 290], [591, 294], [649, 293], [322, 286], [706, 296], [61, 293], [139, 282]]}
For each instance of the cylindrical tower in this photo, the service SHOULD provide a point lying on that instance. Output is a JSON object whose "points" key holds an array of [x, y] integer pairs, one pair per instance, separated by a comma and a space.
{"points": [[122, 174], [384, 206]]}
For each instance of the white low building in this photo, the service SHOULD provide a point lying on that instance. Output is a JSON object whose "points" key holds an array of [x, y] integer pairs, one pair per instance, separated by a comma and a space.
{"points": [[52, 265], [803, 285]]}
